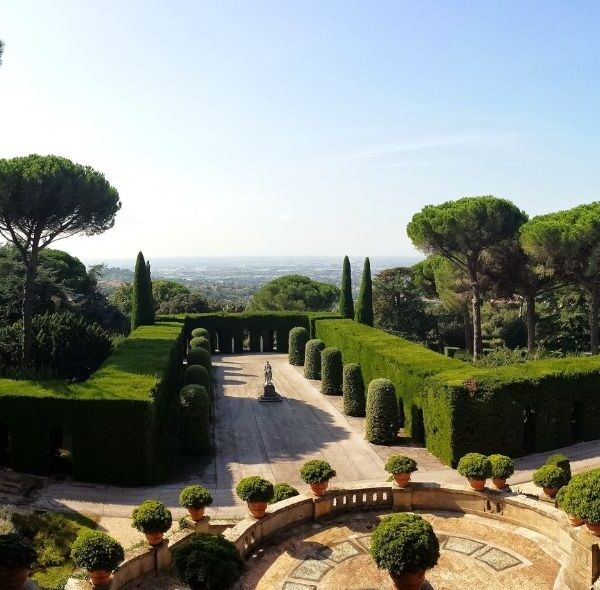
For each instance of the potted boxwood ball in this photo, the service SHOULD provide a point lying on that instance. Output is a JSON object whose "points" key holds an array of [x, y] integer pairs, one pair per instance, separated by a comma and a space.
{"points": [[153, 519], [551, 478], [502, 468], [283, 491], [16, 556], [195, 498], [401, 467], [256, 492], [582, 498], [569, 503], [406, 546], [97, 553], [476, 468], [317, 473]]}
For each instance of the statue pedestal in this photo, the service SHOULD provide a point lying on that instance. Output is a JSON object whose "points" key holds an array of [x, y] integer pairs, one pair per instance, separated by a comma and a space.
{"points": [[269, 394]]}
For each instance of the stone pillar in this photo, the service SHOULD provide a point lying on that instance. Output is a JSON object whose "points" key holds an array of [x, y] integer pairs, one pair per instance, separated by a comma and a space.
{"points": [[402, 498]]}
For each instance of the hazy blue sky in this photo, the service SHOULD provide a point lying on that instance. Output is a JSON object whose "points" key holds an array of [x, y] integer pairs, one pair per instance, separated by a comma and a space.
{"points": [[313, 127]]}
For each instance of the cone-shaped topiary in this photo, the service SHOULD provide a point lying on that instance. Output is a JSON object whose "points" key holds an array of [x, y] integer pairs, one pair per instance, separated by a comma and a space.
{"points": [[142, 305], [312, 358], [200, 342], [382, 412], [196, 375], [353, 389], [331, 371], [346, 307], [364, 306], [194, 416], [297, 345], [199, 356]]}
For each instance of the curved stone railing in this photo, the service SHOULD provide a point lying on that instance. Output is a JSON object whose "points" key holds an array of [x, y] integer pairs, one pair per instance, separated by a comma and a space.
{"points": [[581, 571]]}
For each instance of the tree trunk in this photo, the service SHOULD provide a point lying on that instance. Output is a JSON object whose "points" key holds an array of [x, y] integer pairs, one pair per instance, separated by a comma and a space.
{"points": [[27, 311], [468, 330], [477, 342], [531, 323], [595, 302]]}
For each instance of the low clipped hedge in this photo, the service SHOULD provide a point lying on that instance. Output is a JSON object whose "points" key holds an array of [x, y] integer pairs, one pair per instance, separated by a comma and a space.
{"points": [[475, 466], [550, 476], [194, 419], [400, 464], [502, 466], [312, 359], [196, 375], [152, 516], [316, 471], [16, 551], [195, 496], [353, 390], [283, 491], [331, 371], [298, 338], [255, 489], [381, 425], [95, 550], [200, 342]]}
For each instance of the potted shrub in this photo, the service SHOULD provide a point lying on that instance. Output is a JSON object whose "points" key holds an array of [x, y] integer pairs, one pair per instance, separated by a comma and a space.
{"points": [[97, 553], [401, 467], [195, 499], [317, 473], [153, 519], [16, 556], [283, 491], [208, 562], [568, 503], [476, 468], [582, 499], [406, 546], [551, 478], [256, 491], [502, 468]]}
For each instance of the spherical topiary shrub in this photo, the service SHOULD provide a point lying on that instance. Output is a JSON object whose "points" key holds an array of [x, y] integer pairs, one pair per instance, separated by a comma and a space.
{"points": [[331, 371], [152, 516], [502, 468], [562, 461], [580, 499], [283, 491], [200, 333], [400, 464], [196, 375], [195, 496], [316, 471], [200, 342], [382, 412], [255, 489], [353, 390], [208, 562], [95, 550], [194, 419], [312, 358], [16, 552], [297, 345], [404, 544], [199, 356], [476, 468], [551, 478]]}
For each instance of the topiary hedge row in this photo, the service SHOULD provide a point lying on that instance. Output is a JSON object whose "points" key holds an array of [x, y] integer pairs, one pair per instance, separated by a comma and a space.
{"points": [[381, 425], [194, 419], [331, 371], [312, 359], [298, 338], [353, 389]]}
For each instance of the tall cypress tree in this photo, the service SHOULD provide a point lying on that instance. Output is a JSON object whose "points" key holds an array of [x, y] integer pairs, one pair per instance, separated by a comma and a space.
{"points": [[142, 308], [150, 293], [364, 307], [346, 307]]}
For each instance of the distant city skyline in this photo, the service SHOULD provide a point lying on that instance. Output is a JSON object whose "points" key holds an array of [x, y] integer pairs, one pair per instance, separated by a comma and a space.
{"points": [[253, 128]]}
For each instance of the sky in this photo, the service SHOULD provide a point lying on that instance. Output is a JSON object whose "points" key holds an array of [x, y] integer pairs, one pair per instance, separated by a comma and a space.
{"points": [[303, 128]]}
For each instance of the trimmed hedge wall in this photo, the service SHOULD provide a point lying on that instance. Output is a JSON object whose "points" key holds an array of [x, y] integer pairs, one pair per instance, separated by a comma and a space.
{"points": [[331, 371]]}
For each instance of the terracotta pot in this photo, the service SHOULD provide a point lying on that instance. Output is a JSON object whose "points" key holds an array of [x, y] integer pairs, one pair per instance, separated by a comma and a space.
{"points": [[154, 538], [477, 484], [12, 578], [551, 492], [319, 489], [99, 577], [593, 527], [257, 509], [574, 521], [499, 484], [408, 581], [402, 479], [196, 514]]}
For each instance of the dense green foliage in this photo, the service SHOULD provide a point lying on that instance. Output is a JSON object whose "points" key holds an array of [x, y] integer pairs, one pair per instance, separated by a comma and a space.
{"points": [[502, 466], [475, 466], [200, 342], [297, 344], [196, 375], [400, 464], [255, 489], [142, 302], [312, 359], [194, 418], [580, 498], [283, 491], [550, 476], [353, 390], [381, 426], [208, 562], [294, 293], [199, 356], [16, 551], [331, 371], [562, 461], [200, 333], [151, 516], [404, 544], [346, 304], [95, 550], [316, 471], [195, 496], [364, 306]]}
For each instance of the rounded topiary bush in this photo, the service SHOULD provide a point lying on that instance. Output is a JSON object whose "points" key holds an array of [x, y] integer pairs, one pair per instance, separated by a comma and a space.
{"points": [[400, 464], [283, 491], [16, 551], [200, 342], [353, 390], [312, 358], [502, 466], [404, 544], [200, 333], [297, 345], [382, 412], [199, 356], [95, 550], [196, 375], [550, 476], [316, 471], [580, 498], [195, 497], [475, 466], [152, 516], [331, 371], [194, 419], [208, 562], [562, 461], [255, 489]]}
